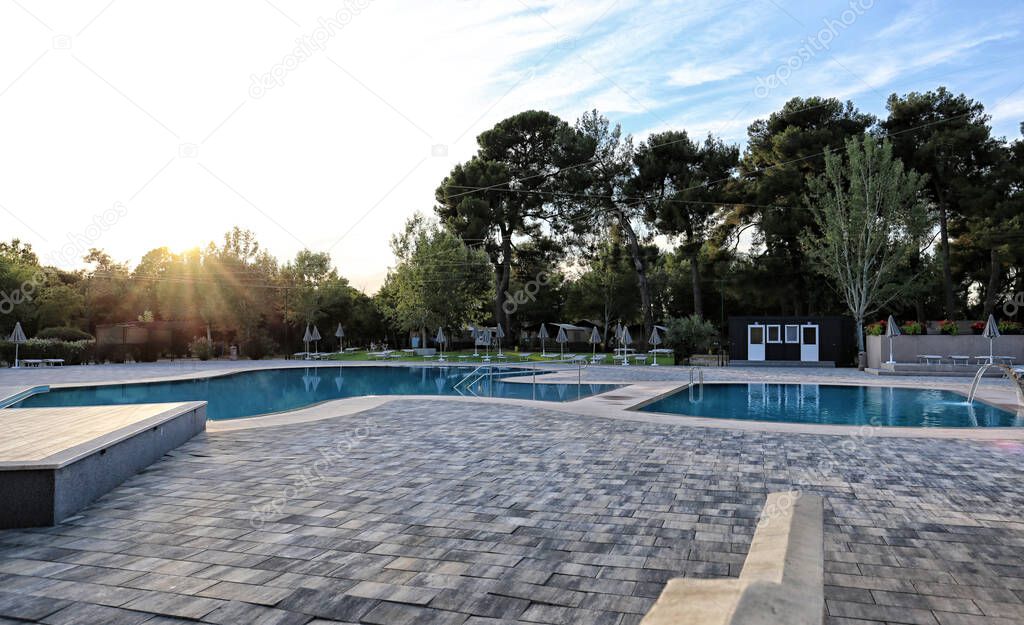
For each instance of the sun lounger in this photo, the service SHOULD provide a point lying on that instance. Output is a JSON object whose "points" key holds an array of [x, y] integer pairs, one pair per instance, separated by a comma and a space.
{"points": [[597, 359], [1006, 360], [930, 359], [53, 362], [525, 356], [640, 358], [961, 360]]}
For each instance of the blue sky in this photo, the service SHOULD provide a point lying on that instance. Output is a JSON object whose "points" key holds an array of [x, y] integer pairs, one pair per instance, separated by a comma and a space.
{"points": [[715, 66], [152, 120]]}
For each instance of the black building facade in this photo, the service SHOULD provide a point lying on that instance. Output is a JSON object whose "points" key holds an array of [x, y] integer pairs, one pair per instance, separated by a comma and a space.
{"points": [[825, 340]]}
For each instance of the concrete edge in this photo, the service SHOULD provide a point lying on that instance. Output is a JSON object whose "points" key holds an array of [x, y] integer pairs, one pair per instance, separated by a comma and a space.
{"points": [[22, 394], [782, 581]]}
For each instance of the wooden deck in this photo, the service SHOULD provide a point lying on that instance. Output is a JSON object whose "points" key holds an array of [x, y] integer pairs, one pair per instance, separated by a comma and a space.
{"points": [[56, 436]]}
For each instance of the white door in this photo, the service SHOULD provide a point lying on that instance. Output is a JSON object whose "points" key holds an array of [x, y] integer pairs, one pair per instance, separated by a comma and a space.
{"points": [[809, 343], [755, 342]]}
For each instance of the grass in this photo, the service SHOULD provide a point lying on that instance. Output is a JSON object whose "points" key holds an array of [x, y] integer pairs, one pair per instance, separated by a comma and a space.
{"points": [[453, 356]]}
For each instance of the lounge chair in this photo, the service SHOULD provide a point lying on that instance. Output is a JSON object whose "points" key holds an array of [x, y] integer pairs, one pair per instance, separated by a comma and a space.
{"points": [[597, 359], [524, 356]]}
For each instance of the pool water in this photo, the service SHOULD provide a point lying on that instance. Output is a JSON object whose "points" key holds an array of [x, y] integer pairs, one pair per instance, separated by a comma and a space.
{"points": [[251, 393], [836, 405]]}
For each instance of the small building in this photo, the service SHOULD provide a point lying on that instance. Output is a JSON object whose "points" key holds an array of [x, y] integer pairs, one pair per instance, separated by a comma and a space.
{"points": [[814, 341]]}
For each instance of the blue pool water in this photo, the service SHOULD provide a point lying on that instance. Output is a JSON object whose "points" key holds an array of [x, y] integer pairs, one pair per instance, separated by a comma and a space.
{"points": [[251, 393], [836, 405]]}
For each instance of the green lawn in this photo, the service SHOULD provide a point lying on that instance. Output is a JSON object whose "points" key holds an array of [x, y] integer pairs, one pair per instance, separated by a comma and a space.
{"points": [[513, 357]]}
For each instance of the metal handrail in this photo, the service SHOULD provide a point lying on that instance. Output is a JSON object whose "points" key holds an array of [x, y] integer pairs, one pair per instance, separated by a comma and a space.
{"points": [[1008, 372], [468, 376], [696, 373]]}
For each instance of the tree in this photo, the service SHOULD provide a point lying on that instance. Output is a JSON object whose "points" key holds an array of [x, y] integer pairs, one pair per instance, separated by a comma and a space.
{"points": [[608, 201], [947, 137], [512, 188], [680, 182], [438, 282], [782, 153], [870, 215]]}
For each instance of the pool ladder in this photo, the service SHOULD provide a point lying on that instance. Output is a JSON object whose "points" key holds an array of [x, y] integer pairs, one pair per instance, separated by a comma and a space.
{"points": [[1008, 372], [696, 379], [472, 378]]}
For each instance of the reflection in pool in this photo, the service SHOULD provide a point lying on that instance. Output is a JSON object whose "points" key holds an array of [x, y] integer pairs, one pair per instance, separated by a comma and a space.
{"points": [[251, 393], [835, 405]]}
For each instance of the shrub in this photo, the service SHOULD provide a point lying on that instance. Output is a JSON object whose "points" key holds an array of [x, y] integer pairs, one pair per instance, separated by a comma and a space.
{"points": [[64, 333], [912, 328], [690, 335], [260, 346], [978, 327], [876, 329], [948, 327], [73, 352], [1010, 327], [200, 348]]}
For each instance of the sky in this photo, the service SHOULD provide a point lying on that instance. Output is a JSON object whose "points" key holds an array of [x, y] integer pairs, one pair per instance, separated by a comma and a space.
{"points": [[128, 126]]}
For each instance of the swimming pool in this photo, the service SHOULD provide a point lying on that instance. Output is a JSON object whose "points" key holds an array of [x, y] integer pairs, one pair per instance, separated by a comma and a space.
{"points": [[836, 405], [250, 393]]}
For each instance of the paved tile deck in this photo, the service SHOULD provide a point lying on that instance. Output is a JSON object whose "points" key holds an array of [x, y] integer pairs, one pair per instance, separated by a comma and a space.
{"points": [[490, 514]]}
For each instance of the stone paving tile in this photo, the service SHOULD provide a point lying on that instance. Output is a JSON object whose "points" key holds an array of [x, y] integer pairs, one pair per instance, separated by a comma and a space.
{"points": [[489, 515]]}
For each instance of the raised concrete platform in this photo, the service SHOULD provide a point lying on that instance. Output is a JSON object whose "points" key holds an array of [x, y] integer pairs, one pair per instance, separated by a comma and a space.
{"points": [[782, 581], [55, 461]]}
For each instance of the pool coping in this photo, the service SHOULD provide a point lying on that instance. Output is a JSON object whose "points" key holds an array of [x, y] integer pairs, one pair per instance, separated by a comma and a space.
{"points": [[624, 403]]}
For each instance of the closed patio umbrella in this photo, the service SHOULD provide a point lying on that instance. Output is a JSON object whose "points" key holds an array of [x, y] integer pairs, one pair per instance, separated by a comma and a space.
{"points": [[316, 339], [990, 332], [561, 339], [891, 330], [626, 341], [655, 340], [473, 334], [307, 338], [543, 334], [17, 337], [483, 337], [499, 333], [340, 334], [440, 338], [595, 338]]}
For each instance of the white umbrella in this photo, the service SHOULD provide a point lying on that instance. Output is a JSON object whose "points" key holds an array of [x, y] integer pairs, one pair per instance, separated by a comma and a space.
{"points": [[561, 339], [595, 338], [891, 330], [626, 340], [475, 335], [17, 337], [340, 333], [990, 332], [307, 338], [655, 340], [499, 333], [316, 338], [483, 337], [542, 334], [440, 339]]}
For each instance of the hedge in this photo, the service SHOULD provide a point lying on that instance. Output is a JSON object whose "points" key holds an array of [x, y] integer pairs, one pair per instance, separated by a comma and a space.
{"points": [[73, 352], [64, 334]]}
